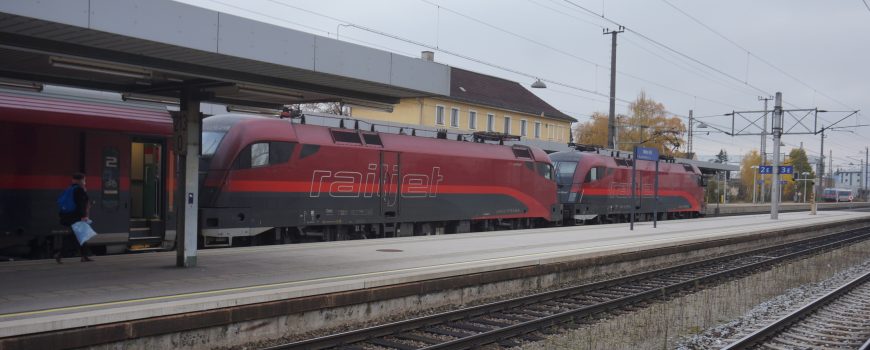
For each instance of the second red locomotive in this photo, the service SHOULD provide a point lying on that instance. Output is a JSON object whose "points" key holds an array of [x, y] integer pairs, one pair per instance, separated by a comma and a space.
{"points": [[595, 186]]}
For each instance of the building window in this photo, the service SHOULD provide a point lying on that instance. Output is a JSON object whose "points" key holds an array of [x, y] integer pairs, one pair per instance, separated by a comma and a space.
{"points": [[454, 117], [507, 125], [472, 120], [537, 130], [439, 115], [523, 124], [490, 122]]}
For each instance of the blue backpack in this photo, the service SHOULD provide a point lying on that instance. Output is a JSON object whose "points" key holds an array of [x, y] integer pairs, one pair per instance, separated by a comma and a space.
{"points": [[66, 203]]}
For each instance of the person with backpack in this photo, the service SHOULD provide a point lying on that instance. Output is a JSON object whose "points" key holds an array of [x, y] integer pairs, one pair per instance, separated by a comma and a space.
{"points": [[73, 206]]}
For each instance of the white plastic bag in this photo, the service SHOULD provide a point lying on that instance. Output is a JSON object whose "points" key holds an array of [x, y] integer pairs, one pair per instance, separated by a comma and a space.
{"points": [[83, 231]]}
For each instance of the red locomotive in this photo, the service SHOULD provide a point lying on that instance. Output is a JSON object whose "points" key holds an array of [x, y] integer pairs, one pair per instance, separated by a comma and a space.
{"points": [[298, 180], [595, 186]]}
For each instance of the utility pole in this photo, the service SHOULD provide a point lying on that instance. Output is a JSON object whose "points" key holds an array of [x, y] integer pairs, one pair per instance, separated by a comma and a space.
{"points": [[611, 122], [764, 141], [821, 166], [777, 134], [831, 165], [691, 123]]}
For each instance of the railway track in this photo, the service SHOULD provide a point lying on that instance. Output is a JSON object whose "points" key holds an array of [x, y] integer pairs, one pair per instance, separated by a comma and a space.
{"points": [[837, 320], [505, 322]]}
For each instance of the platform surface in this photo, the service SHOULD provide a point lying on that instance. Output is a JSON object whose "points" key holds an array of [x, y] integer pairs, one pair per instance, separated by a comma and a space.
{"points": [[38, 296]]}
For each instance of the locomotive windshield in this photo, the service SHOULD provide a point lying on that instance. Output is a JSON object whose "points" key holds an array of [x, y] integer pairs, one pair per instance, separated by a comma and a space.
{"points": [[565, 172], [210, 141]]}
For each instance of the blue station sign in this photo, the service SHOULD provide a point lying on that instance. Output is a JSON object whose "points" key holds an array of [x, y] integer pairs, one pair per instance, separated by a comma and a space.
{"points": [[646, 153], [786, 169], [765, 169]]}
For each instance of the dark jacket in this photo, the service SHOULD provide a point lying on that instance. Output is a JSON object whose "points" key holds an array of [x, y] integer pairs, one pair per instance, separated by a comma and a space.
{"points": [[80, 196]]}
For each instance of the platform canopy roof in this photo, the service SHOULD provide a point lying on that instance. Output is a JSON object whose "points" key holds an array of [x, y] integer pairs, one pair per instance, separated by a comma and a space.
{"points": [[709, 167], [152, 47]]}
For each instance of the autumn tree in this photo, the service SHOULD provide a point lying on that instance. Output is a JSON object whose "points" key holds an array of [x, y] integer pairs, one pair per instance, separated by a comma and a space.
{"points": [[748, 174], [592, 132], [797, 158], [648, 125]]}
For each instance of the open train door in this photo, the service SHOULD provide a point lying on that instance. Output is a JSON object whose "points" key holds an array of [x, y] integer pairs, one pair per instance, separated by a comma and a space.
{"points": [[390, 184], [147, 210]]}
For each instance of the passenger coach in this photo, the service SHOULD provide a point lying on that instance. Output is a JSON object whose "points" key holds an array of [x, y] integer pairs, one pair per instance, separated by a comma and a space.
{"points": [[123, 149]]}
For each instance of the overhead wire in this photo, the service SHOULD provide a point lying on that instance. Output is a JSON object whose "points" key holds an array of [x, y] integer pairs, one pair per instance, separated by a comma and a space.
{"points": [[670, 49], [566, 53], [441, 49], [633, 76], [750, 54], [496, 65]]}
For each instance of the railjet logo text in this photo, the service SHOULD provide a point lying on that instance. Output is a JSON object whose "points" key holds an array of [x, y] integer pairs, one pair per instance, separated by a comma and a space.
{"points": [[355, 184]]}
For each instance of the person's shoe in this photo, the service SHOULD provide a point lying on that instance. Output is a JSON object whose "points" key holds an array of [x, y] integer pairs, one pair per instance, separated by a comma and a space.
{"points": [[57, 258], [86, 259]]}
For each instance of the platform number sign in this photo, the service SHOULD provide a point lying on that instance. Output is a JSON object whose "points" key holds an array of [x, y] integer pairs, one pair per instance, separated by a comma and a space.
{"points": [[786, 169], [765, 169]]}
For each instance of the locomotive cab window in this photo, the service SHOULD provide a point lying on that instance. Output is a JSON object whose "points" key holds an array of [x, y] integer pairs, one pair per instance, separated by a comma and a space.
{"points": [[595, 174], [565, 172], [210, 141], [545, 170], [262, 154], [259, 154]]}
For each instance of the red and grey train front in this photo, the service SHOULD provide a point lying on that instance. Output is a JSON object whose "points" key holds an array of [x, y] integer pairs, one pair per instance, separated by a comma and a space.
{"points": [[597, 187]]}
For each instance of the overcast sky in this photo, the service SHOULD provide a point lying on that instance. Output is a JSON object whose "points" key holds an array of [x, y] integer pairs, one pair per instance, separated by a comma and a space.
{"points": [[819, 52]]}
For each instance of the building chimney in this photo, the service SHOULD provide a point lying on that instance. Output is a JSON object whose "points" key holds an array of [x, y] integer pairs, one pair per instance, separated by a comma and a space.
{"points": [[428, 55]]}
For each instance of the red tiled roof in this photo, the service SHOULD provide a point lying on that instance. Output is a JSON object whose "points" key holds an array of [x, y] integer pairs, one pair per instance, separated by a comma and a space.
{"points": [[477, 88]]}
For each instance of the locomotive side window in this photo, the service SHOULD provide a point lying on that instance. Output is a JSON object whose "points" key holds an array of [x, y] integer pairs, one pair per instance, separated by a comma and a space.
{"points": [[264, 154], [595, 174], [545, 170], [259, 154], [308, 150], [280, 152]]}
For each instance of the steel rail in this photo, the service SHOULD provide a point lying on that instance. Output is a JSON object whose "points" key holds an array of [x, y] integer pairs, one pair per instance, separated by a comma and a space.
{"points": [[760, 336], [522, 328]]}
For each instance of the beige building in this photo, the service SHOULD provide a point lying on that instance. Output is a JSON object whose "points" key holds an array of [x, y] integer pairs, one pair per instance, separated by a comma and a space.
{"points": [[480, 102]]}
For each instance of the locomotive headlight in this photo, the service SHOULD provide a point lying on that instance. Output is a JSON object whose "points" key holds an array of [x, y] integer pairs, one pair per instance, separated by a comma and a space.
{"points": [[572, 197]]}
